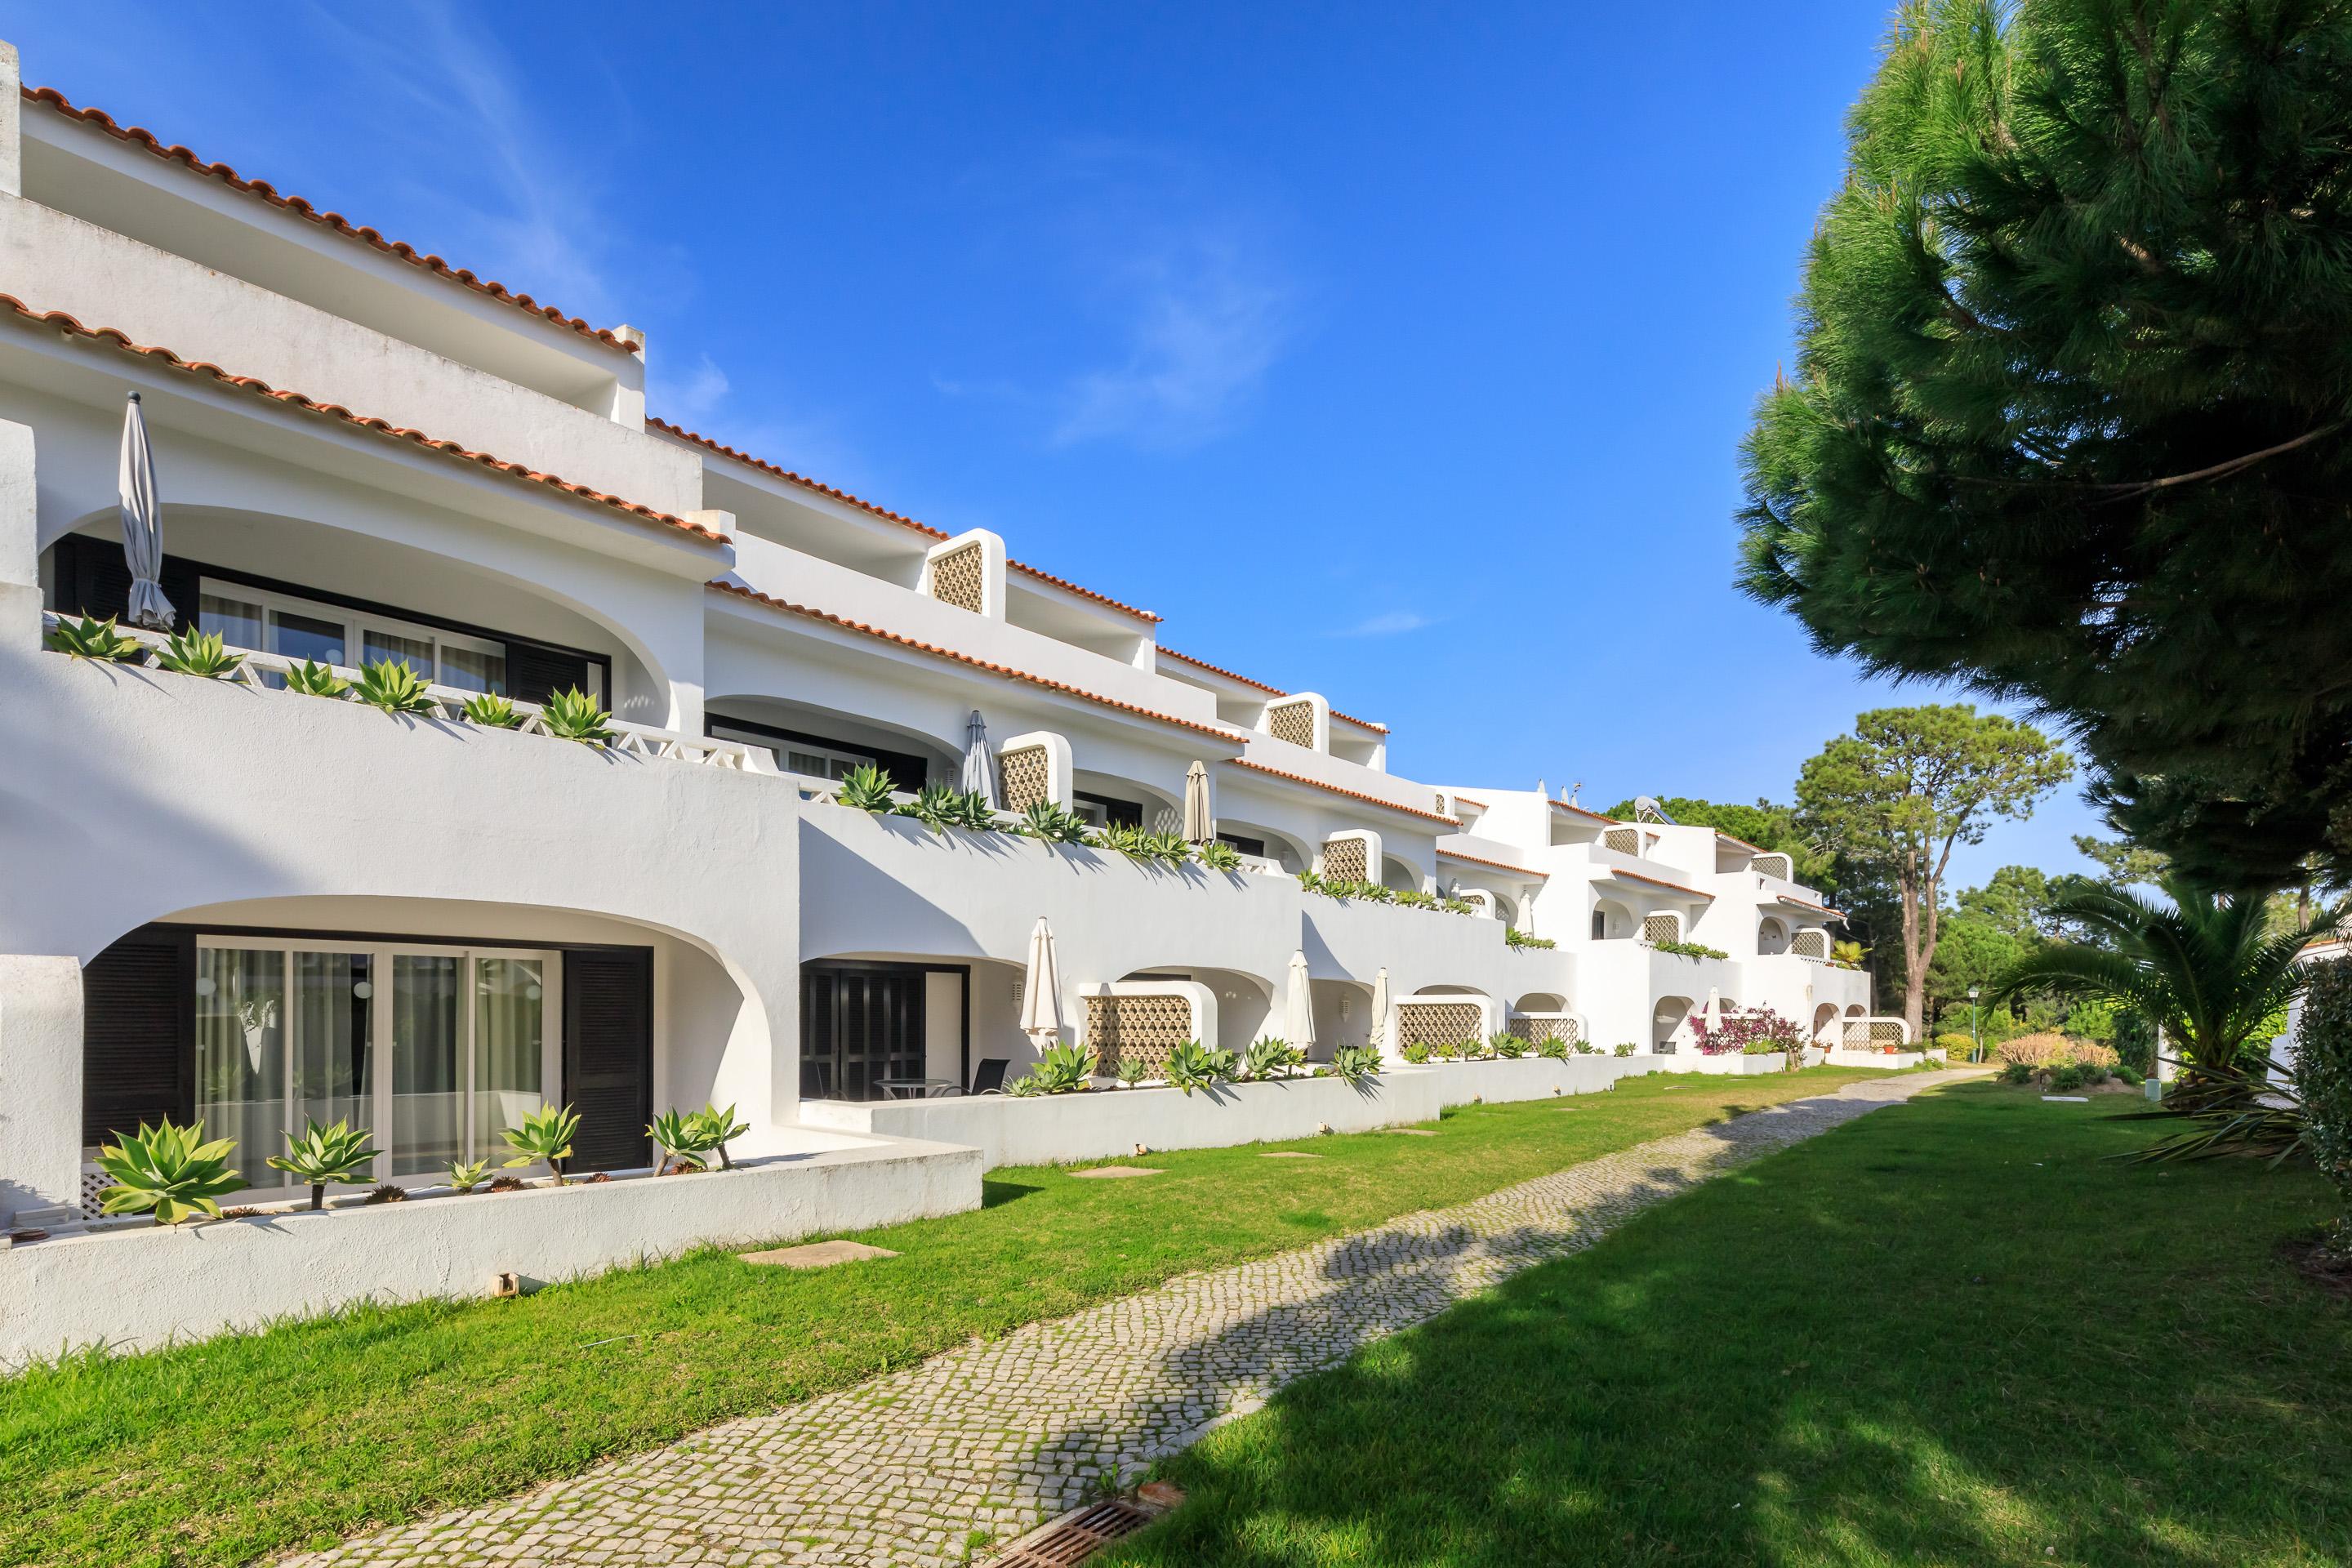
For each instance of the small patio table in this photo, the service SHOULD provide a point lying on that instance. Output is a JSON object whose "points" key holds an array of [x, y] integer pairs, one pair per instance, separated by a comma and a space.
{"points": [[918, 1087]]}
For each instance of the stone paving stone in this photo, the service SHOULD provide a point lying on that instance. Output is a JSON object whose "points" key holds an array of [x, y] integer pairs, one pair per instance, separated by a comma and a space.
{"points": [[999, 1435], [1290, 1154], [817, 1254], [1114, 1172]]}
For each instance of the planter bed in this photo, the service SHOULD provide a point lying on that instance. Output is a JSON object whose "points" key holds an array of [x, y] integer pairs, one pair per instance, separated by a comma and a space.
{"points": [[142, 1286], [1843, 1057]]}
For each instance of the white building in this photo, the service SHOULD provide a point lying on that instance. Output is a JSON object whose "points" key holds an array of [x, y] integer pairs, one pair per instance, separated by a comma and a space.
{"points": [[230, 902]]}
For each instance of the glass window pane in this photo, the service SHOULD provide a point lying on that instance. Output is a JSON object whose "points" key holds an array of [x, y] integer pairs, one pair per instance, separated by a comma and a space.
{"points": [[332, 1033], [241, 1055], [813, 763], [238, 622], [307, 637], [415, 652], [509, 1040], [472, 669], [428, 1100]]}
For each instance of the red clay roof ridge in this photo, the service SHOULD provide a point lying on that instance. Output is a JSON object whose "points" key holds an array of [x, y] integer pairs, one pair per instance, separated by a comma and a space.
{"points": [[65, 323], [51, 98], [1262, 686], [1342, 789], [901, 519]]}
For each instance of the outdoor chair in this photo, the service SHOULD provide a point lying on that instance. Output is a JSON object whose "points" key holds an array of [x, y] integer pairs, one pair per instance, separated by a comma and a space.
{"points": [[989, 1076]]}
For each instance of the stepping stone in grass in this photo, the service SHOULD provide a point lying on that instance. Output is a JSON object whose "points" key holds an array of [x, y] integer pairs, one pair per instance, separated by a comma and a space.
{"points": [[817, 1254], [1410, 1131], [1289, 1154], [1114, 1172]]}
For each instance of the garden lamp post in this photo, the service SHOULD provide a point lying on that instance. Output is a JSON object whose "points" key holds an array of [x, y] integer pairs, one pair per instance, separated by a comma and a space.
{"points": [[1976, 1040]]}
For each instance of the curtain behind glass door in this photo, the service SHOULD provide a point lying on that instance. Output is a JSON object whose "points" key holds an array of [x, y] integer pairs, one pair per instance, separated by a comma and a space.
{"points": [[428, 1099], [510, 1049], [241, 1054], [333, 1039]]}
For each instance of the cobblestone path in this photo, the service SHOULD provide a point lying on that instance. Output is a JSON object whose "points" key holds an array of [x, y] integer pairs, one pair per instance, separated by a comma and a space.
{"points": [[986, 1441]]}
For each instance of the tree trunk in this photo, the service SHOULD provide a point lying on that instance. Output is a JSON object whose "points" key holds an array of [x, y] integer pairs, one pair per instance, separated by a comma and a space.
{"points": [[1915, 965]]}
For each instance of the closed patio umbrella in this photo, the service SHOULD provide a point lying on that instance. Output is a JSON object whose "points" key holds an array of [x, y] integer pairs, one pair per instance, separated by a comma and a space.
{"points": [[1713, 1012], [1199, 826], [143, 525], [979, 775], [1298, 1023], [1040, 990], [1379, 1037]]}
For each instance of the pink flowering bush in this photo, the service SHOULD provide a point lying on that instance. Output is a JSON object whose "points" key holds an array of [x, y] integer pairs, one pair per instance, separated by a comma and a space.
{"points": [[1756, 1032]]}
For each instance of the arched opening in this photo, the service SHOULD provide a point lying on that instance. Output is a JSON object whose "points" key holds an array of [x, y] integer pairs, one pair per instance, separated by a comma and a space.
{"points": [[1343, 1016], [1287, 852], [1398, 875], [1771, 935], [1824, 1023], [1248, 1006], [1611, 920], [827, 745], [1668, 1023], [1108, 800]]}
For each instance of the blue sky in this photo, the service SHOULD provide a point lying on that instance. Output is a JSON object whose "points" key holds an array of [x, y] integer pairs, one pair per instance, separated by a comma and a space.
{"points": [[1400, 353]]}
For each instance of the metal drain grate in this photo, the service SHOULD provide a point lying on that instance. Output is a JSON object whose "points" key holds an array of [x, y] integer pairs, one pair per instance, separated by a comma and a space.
{"points": [[1074, 1536]]}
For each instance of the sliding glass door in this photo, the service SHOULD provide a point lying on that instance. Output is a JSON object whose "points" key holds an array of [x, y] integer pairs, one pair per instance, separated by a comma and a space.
{"points": [[288, 1032]]}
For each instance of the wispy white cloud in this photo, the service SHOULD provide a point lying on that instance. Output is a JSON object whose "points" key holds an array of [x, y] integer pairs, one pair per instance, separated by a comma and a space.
{"points": [[1393, 624], [696, 394]]}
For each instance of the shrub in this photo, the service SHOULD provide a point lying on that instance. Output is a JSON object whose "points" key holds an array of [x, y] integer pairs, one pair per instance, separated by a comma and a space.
{"points": [[192, 652], [325, 1155], [545, 1134], [1754, 1032], [1625, 1047], [1416, 899], [2065, 1076], [2048, 1050], [314, 679], [1686, 949], [168, 1171], [1356, 1063], [2323, 1081], [394, 686], [491, 711], [2017, 1072], [1953, 1044], [100, 640], [2128, 1075], [1514, 937]]}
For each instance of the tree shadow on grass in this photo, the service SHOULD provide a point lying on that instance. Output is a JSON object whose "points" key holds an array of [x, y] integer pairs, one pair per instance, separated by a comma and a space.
{"points": [[1766, 1372], [996, 1195]]}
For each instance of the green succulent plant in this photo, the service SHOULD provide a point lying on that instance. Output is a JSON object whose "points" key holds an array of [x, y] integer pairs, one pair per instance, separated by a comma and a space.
{"points": [[973, 813], [935, 807], [683, 1139], [1051, 822], [192, 652], [325, 1155], [87, 639], [168, 1171], [719, 1128], [1219, 856], [1268, 1056], [545, 1135], [574, 715], [1552, 1048], [1024, 1086], [1193, 1064], [1129, 1072], [1416, 1053], [1356, 1063], [1507, 1045], [491, 711], [465, 1176], [1064, 1069], [313, 680], [394, 684], [867, 788]]}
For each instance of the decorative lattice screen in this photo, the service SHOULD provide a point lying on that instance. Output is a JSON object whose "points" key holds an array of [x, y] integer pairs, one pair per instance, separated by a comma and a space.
{"points": [[1773, 865], [959, 577], [1535, 1031], [1872, 1034], [94, 1182], [1344, 860], [1438, 1023], [1027, 774], [1811, 945], [1623, 840], [1292, 721], [1137, 1028], [1660, 928]]}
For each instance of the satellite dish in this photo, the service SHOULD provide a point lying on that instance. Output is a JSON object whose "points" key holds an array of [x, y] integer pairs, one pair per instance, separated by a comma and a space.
{"points": [[1647, 809]]}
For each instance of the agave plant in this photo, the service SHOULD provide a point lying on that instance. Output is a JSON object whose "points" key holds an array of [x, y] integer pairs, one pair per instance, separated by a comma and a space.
{"points": [[168, 1171], [1129, 1072], [1552, 1048], [465, 1177], [1024, 1086], [1064, 1069], [1051, 822], [1193, 1064], [394, 684], [1356, 1063], [973, 813], [684, 1137], [1169, 846], [491, 711], [1507, 1045], [1219, 856], [1268, 1056], [192, 652], [1416, 898], [314, 679], [546, 1136], [325, 1155], [867, 788], [574, 715], [719, 1129], [1129, 840], [87, 639], [934, 806]]}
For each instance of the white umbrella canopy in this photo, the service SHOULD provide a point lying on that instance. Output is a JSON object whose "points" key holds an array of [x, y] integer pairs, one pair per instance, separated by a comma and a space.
{"points": [[143, 525], [1713, 1012], [1379, 1037], [1040, 990], [979, 775], [1298, 1021], [1199, 826]]}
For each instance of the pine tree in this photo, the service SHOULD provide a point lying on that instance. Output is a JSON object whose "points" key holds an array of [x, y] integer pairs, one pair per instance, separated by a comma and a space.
{"points": [[2073, 415]]}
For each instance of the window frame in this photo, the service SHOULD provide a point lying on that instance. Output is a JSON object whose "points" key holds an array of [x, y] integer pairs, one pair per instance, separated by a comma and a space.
{"points": [[357, 624]]}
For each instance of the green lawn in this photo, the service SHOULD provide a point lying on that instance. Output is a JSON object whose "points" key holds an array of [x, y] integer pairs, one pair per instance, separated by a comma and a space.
{"points": [[1949, 1333], [217, 1453]]}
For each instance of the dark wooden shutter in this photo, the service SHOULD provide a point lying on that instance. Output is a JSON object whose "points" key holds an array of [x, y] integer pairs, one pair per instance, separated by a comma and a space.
{"points": [[139, 1033], [92, 580], [608, 1054], [534, 673]]}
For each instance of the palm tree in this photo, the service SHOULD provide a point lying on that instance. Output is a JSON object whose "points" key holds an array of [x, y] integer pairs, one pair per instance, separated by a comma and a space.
{"points": [[2206, 968]]}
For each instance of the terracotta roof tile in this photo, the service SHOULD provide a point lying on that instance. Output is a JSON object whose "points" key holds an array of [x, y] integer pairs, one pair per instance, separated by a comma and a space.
{"points": [[1262, 686], [1340, 789], [68, 324], [1008, 671], [1482, 861], [51, 98], [1660, 883], [864, 505], [1563, 805]]}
